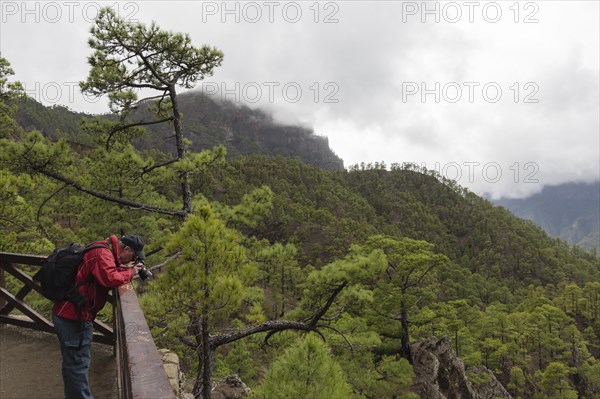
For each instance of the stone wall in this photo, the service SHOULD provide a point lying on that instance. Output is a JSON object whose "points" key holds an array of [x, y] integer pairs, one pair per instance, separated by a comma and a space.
{"points": [[171, 364]]}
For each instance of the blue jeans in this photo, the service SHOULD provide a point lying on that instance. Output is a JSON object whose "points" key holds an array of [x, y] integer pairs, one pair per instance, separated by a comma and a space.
{"points": [[75, 362]]}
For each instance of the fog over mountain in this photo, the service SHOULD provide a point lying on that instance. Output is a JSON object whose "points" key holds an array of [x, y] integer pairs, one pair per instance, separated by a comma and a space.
{"points": [[495, 94], [568, 211]]}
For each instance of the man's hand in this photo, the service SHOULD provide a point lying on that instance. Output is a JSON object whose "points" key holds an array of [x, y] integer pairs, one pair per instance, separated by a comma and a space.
{"points": [[137, 266], [132, 265]]}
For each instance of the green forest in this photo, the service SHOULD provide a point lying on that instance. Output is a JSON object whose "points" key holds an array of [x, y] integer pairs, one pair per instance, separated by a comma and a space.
{"points": [[307, 282]]}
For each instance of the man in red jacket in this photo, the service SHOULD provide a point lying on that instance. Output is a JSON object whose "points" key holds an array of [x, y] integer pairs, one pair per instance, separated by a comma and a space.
{"points": [[102, 269]]}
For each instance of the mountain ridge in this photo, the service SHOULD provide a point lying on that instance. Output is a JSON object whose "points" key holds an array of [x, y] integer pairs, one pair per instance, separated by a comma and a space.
{"points": [[208, 122], [569, 211]]}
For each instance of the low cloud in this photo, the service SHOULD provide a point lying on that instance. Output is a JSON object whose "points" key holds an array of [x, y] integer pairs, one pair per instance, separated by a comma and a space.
{"points": [[518, 97]]}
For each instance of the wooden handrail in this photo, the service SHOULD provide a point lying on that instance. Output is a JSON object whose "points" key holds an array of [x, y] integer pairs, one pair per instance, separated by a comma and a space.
{"points": [[140, 372], [32, 260], [8, 301]]}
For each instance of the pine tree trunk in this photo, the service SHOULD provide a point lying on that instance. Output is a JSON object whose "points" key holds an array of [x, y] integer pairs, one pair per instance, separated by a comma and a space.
{"points": [[203, 385], [207, 356], [186, 191], [405, 340], [282, 292]]}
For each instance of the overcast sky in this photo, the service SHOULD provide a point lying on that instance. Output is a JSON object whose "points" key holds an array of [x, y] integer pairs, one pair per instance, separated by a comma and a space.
{"points": [[501, 96]]}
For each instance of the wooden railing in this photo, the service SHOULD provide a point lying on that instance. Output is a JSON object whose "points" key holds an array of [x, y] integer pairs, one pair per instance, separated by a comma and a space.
{"points": [[140, 373]]}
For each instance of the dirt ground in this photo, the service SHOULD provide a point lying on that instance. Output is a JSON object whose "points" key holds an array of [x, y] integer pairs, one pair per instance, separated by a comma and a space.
{"points": [[30, 366]]}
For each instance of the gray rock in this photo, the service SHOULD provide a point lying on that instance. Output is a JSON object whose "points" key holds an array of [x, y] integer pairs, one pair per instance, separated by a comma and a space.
{"points": [[440, 374], [231, 387]]}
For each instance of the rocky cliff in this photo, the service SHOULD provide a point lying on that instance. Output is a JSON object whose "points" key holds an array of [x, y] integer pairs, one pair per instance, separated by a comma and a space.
{"points": [[440, 374]]}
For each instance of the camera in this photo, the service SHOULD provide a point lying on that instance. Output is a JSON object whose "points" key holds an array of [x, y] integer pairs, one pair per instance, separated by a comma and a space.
{"points": [[143, 272]]}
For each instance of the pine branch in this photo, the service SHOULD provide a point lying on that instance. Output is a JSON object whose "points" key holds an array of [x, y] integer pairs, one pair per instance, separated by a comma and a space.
{"points": [[133, 124], [148, 169], [325, 308], [275, 326], [97, 194], [39, 211], [340, 333]]}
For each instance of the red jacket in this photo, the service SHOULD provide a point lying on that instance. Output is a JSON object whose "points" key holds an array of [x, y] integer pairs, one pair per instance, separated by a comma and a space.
{"points": [[103, 264]]}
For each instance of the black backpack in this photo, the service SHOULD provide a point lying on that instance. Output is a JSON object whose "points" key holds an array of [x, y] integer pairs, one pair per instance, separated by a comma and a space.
{"points": [[59, 269]]}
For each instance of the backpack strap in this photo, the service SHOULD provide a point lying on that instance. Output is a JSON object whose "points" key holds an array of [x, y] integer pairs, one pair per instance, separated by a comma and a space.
{"points": [[94, 246], [90, 277], [83, 301]]}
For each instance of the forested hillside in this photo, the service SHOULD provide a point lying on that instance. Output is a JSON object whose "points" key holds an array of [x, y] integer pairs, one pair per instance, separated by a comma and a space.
{"points": [[303, 281], [509, 297], [209, 122]]}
